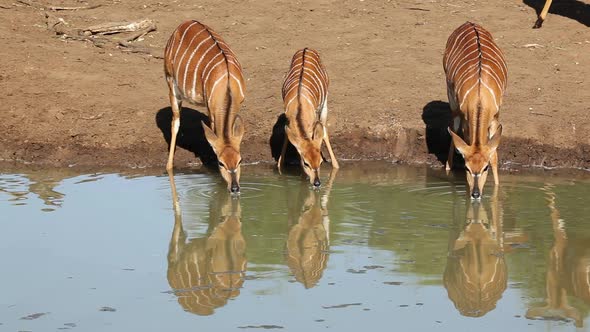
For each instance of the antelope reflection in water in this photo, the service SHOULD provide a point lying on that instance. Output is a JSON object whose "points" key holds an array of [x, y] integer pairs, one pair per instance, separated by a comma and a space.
{"points": [[206, 272], [568, 271], [475, 275], [309, 238]]}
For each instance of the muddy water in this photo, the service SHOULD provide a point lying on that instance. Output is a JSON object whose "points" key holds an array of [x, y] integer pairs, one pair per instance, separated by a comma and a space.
{"points": [[380, 246]]}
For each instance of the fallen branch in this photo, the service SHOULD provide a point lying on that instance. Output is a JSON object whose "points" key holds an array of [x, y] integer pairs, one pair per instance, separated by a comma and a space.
{"points": [[543, 114], [94, 117], [56, 8], [127, 47], [5, 7], [118, 27], [25, 2], [140, 34]]}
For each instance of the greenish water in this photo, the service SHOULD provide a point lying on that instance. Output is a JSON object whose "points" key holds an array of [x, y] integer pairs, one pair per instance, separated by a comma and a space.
{"points": [[380, 246]]}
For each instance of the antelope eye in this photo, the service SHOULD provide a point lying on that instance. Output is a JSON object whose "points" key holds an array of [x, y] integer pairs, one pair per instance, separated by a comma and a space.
{"points": [[221, 164], [239, 162], [306, 164], [486, 168]]}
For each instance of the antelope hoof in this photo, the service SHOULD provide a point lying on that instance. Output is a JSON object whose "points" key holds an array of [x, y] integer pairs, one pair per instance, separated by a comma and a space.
{"points": [[538, 24]]}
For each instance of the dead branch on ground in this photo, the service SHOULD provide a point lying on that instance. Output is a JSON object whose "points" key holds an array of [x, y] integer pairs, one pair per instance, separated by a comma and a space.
{"points": [[58, 8], [118, 27], [97, 35]]}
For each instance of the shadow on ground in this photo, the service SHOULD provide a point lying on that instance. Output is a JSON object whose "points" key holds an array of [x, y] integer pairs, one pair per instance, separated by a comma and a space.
{"points": [[191, 136], [437, 117], [573, 9], [276, 143]]}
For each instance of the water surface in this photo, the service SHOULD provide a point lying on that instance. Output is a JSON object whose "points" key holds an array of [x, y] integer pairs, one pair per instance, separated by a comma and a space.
{"points": [[379, 246]]}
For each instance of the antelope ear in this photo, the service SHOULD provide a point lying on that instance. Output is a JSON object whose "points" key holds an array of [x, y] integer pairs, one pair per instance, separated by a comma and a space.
{"points": [[238, 128], [209, 135], [458, 142], [318, 132], [495, 140]]}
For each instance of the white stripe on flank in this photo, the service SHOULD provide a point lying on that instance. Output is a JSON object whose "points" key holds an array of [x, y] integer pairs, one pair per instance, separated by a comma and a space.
{"points": [[197, 68], [188, 63], [184, 53], [493, 94], [239, 81], [180, 42], [212, 68], [214, 86]]}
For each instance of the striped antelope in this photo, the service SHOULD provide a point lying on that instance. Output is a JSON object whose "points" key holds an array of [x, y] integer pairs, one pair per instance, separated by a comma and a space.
{"points": [[476, 75], [201, 68], [305, 94], [543, 15]]}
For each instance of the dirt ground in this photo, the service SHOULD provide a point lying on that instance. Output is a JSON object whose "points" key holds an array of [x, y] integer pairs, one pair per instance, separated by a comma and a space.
{"points": [[70, 102]]}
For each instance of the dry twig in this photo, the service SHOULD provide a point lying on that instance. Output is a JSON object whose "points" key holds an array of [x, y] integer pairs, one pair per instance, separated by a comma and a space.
{"points": [[94, 117], [56, 8], [118, 27]]}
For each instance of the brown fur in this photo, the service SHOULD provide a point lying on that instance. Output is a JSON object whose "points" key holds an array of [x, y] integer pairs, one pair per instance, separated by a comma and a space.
{"points": [[195, 61]]}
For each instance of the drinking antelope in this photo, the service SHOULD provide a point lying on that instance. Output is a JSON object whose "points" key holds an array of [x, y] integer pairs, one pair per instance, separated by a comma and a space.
{"points": [[305, 94], [542, 15], [201, 68], [476, 76]]}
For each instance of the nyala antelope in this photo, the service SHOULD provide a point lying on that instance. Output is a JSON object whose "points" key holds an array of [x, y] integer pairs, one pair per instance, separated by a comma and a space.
{"points": [[201, 68], [476, 76], [305, 94]]}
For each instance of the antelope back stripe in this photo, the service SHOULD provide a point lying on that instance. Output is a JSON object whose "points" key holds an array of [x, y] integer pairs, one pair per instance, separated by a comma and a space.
{"points": [[306, 82], [198, 59], [474, 66]]}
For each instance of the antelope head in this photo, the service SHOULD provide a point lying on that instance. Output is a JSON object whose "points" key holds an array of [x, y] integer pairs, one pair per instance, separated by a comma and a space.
{"points": [[309, 151], [477, 160], [227, 150]]}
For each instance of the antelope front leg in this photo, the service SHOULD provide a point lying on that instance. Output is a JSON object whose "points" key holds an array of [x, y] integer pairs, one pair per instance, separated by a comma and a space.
{"points": [[543, 15], [176, 105], [283, 151], [333, 160], [449, 163], [456, 125], [494, 162]]}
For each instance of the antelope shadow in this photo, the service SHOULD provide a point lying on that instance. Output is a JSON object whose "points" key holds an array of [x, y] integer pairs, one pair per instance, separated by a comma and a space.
{"points": [[436, 116], [573, 9], [191, 135], [276, 143]]}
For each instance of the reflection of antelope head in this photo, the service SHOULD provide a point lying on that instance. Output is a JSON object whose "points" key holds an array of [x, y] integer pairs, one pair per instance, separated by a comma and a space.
{"points": [[564, 270], [308, 240], [206, 272], [476, 276]]}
